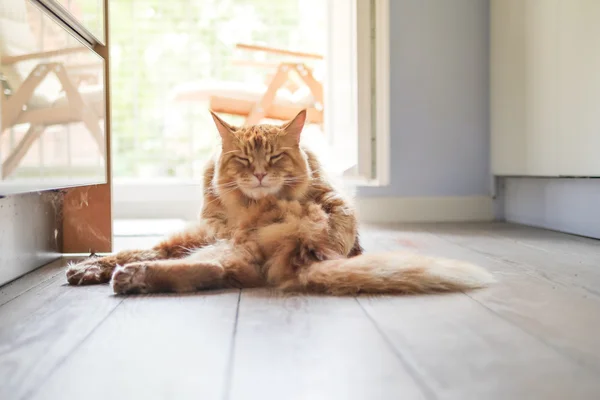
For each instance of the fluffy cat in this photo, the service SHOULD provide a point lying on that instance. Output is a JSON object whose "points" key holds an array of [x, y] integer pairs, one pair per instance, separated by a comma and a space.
{"points": [[271, 218]]}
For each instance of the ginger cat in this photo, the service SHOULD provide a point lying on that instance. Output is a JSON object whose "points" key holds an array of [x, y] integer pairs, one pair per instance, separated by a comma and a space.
{"points": [[271, 218]]}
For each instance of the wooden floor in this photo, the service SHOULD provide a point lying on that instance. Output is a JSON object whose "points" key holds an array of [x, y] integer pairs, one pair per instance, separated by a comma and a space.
{"points": [[534, 335]]}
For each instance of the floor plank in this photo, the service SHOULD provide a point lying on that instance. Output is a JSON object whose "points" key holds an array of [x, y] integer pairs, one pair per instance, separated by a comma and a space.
{"points": [[464, 351], [568, 248], [27, 282], [509, 244], [534, 334], [42, 327], [550, 241], [314, 347], [560, 317], [153, 347]]}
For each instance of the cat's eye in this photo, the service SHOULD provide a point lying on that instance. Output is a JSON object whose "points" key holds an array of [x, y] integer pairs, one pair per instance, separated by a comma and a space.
{"points": [[242, 160], [275, 158]]}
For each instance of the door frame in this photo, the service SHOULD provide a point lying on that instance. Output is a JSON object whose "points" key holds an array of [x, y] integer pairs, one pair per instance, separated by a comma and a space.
{"points": [[373, 79], [176, 199], [87, 210]]}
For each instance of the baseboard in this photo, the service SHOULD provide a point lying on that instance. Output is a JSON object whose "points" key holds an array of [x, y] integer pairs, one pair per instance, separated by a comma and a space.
{"points": [[425, 209], [183, 201], [156, 200], [567, 205]]}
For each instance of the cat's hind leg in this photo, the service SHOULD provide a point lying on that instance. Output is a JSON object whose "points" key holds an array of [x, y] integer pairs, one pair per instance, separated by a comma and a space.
{"points": [[215, 266], [97, 270]]}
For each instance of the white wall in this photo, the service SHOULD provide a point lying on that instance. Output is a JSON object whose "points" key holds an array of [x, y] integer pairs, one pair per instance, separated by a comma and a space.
{"points": [[439, 99]]}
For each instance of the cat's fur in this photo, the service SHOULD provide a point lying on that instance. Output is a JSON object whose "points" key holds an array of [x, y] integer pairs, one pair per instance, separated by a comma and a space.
{"points": [[271, 218]]}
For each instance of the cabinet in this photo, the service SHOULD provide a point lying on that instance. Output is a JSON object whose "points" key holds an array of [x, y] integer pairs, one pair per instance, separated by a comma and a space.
{"points": [[545, 87]]}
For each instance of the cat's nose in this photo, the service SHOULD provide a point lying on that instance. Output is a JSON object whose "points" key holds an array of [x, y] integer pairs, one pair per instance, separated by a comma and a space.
{"points": [[260, 176]]}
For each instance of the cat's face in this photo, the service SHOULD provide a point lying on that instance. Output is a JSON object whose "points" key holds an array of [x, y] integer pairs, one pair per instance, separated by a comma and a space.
{"points": [[262, 160]]}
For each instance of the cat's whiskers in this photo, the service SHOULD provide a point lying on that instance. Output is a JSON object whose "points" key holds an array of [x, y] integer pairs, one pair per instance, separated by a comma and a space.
{"points": [[225, 192], [228, 190], [293, 180], [299, 176], [225, 185]]}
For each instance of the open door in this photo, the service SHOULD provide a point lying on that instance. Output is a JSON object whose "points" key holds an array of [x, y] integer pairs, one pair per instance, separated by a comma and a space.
{"points": [[357, 89]]}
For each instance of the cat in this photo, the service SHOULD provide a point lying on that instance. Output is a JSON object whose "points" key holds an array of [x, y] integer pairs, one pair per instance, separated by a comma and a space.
{"points": [[270, 217]]}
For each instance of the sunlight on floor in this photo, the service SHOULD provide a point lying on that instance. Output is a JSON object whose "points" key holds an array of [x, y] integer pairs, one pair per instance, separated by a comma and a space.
{"points": [[143, 233]]}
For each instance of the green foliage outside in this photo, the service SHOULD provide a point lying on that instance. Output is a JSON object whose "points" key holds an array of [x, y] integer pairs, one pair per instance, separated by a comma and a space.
{"points": [[158, 45]]}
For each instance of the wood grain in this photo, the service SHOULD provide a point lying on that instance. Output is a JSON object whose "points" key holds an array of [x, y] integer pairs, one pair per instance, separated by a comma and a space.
{"points": [[584, 250], [33, 279], [532, 335], [562, 317], [42, 327], [577, 269], [464, 351], [87, 219], [314, 347], [153, 347]]}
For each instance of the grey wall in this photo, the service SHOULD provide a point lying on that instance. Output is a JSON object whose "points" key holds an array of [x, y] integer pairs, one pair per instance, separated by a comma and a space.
{"points": [[567, 205], [30, 233], [439, 60]]}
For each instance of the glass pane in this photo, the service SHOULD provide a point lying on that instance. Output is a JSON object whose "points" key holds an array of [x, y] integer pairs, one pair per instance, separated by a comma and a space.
{"points": [[52, 131], [90, 13], [172, 60]]}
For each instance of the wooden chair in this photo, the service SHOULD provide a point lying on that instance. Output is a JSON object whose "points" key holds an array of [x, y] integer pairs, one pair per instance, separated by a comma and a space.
{"points": [[23, 100], [280, 99]]}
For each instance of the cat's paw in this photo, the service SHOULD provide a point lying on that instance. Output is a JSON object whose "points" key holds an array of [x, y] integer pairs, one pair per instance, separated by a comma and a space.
{"points": [[309, 253], [313, 253], [86, 273], [316, 215], [129, 279]]}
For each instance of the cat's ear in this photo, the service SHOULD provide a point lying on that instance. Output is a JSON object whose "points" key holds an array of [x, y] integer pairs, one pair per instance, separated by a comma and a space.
{"points": [[225, 130], [293, 129]]}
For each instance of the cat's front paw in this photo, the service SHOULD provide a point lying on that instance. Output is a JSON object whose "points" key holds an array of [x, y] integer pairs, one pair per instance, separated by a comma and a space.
{"points": [[309, 253], [129, 279], [312, 253], [86, 273]]}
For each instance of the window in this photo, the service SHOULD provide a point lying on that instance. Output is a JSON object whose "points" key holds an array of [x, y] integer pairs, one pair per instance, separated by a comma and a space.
{"points": [[172, 61]]}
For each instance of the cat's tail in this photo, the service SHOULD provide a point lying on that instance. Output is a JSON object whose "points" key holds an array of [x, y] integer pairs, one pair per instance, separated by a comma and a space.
{"points": [[391, 273]]}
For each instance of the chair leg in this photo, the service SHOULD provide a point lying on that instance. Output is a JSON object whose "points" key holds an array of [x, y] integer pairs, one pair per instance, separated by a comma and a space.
{"points": [[315, 86], [87, 114], [260, 109], [14, 159], [13, 106]]}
